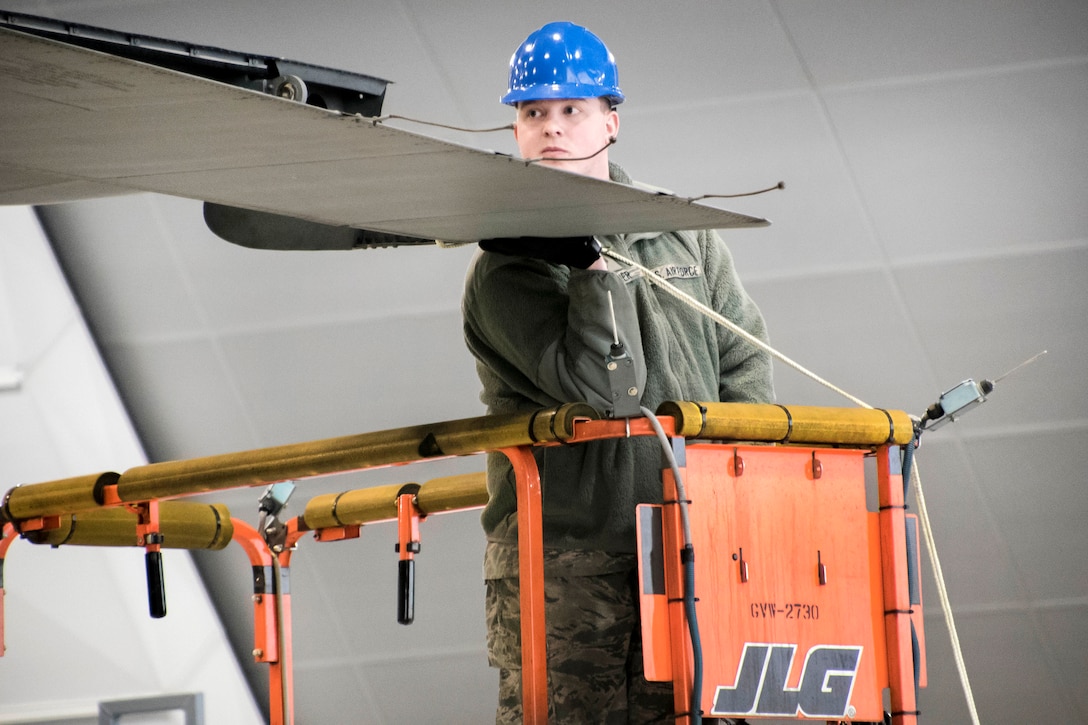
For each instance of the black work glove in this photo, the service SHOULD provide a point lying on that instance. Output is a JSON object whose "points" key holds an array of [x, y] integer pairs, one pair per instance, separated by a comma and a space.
{"points": [[572, 251]]}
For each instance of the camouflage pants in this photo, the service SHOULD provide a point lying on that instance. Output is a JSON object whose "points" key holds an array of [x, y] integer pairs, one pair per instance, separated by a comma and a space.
{"points": [[594, 658]]}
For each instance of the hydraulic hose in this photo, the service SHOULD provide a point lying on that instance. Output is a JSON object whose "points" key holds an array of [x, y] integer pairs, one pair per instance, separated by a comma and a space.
{"points": [[687, 559]]}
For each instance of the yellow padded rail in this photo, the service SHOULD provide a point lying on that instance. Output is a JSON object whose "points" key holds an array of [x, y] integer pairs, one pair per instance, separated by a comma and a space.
{"points": [[367, 505], [724, 421], [790, 424], [295, 461], [183, 524]]}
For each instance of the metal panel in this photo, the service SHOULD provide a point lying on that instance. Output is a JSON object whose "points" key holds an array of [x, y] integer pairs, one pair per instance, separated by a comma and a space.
{"points": [[191, 705], [78, 123]]}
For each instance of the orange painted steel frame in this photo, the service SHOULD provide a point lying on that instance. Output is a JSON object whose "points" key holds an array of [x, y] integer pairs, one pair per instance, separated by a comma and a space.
{"points": [[408, 516], [879, 577], [272, 601], [7, 535], [531, 555], [898, 614], [792, 573], [534, 662], [272, 613], [271, 617]]}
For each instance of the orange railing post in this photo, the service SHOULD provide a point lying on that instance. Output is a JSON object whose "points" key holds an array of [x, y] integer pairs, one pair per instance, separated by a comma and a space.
{"points": [[534, 667], [897, 605], [271, 620]]}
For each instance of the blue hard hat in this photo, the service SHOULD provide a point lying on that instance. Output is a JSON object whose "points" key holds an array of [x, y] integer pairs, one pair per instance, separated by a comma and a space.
{"points": [[562, 60]]}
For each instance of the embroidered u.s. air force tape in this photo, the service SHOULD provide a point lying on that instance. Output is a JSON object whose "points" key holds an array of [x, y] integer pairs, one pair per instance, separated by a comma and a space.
{"points": [[665, 271]]}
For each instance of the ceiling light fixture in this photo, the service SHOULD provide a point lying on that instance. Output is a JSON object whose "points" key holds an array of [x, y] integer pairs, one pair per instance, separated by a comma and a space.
{"points": [[10, 378]]}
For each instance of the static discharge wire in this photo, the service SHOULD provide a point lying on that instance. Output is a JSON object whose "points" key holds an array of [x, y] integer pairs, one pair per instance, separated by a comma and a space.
{"points": [[378, 120]]}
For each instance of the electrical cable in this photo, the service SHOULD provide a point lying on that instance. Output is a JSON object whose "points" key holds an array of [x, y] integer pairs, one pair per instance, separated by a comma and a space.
{"points": [[681, 495], [777, 187], [375, 120], [598, 152], [508, 127], [687, 558]]}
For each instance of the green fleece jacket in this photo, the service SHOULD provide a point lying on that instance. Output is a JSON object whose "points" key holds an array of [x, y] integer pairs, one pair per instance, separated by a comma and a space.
{"points": [[541, 334]]}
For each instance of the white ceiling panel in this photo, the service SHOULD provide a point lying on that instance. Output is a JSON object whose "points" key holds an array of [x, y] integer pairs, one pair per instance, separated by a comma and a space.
{"points": [[1017, 682], [750, 145], [29, 280], [834, 332], [944, 693], [1025, 481], [31, 434], [157, 303], [858, 42], [974, 551], [1010, 308], [209, 401], [728, 49], [199, 280], [976, 162], [285, 385], [1059, 626]]}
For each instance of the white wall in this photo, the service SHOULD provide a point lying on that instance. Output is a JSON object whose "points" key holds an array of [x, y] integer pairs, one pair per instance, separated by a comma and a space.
{"points": [[77, 628]]}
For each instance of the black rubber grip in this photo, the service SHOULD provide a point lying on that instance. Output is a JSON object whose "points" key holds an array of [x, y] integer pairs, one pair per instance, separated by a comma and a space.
{"points": [[406, 591], [156, 587]]}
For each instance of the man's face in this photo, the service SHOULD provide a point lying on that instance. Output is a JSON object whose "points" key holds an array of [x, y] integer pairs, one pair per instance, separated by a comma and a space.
{"points": [[563, 130]]}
